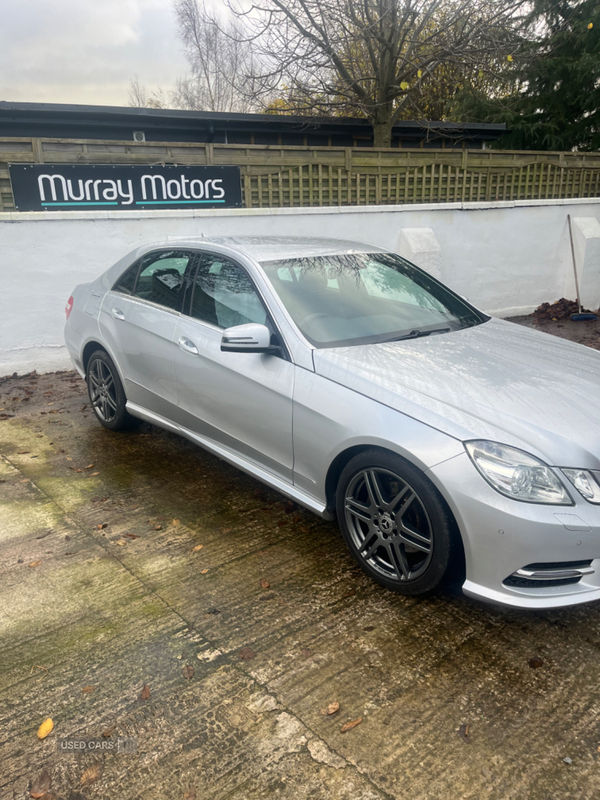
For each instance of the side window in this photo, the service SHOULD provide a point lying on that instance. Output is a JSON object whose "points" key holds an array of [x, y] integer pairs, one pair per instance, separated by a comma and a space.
{"points": [[224, 295], [126, 283], [161, 278]]}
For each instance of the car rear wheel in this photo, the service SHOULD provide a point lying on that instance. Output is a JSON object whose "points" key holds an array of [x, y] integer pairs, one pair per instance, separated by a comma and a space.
{"points": [[106, 392], [395, 523]]}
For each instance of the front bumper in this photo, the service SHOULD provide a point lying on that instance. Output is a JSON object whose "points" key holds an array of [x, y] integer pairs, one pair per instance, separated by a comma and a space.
{"points": [[505, 539]]}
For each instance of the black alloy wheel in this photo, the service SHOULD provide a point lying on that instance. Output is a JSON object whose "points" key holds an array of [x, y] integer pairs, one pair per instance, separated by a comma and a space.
{"points": [[395, 523], [106, 393]]}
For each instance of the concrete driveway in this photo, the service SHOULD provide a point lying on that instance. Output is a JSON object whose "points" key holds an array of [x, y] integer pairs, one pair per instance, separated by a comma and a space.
{"points": [[151, 592]]}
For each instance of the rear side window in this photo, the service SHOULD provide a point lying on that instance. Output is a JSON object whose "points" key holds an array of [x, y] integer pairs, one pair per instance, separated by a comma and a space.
{"points": [[159, 278], [126, 283]]}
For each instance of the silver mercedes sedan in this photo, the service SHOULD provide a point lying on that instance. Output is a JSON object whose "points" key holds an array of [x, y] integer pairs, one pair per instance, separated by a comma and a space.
{"points": [[449, 445]]}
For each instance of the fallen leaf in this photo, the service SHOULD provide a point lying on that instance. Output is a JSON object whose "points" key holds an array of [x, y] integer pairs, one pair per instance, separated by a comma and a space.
{"points": [[89, 466], [45, 728], [22, 452], [332, 708], [203, 571], [463, 732], [198, 547], [158, 527], [35, 563], [175, 523], [265, 583], [246, 653], [132, 535], [88, 689], [102, 526], [41, 785], [120, 542], [536, 663], [92, 774], [189, 795], [226, 530], [145, 693], [349, 725], [188, 671], [109, 731]]}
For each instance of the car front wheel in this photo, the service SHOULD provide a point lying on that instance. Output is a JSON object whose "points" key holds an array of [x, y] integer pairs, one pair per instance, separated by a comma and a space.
{"points": [[395, 523], [106, 392]]}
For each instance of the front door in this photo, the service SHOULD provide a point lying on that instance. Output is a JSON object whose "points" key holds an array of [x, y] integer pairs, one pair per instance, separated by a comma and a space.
{"points": [[242, 401]]}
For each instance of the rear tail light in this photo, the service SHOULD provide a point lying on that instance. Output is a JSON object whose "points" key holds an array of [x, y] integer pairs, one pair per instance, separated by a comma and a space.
{"points": [[69, 306]]}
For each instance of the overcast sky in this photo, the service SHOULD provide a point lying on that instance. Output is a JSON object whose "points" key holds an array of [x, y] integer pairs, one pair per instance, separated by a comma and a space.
{"points": [[86, 51]]}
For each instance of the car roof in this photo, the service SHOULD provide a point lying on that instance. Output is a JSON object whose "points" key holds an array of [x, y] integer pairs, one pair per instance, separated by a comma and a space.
{"points": [[271, 248]]}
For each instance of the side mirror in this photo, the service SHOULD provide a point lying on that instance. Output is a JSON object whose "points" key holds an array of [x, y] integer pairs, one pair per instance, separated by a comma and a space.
{"points": [[249, 338]]}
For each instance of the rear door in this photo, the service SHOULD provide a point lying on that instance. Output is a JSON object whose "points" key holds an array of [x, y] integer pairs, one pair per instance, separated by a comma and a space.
{"points": [[242, 401], [138, 320]]}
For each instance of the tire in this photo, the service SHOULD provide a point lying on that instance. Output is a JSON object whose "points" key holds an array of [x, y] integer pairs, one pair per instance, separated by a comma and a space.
{"points": [[106, 393], [396, 524]]}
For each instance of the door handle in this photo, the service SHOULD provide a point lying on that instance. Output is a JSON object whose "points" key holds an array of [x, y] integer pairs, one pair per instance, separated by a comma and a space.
{"points": [[187, 346], [117, 314]]}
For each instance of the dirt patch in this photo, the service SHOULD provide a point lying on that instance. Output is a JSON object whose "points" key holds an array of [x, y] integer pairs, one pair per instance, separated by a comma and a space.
{"points": [[585, 332]]}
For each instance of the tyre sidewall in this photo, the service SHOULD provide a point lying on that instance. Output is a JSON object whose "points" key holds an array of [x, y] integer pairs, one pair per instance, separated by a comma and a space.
{"points": [[122, 418]]}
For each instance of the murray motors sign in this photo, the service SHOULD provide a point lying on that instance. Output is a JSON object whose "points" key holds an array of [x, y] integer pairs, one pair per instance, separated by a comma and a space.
{"points": [[62, 187]]}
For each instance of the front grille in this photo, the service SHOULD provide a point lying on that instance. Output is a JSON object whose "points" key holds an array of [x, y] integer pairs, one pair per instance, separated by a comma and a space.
{"points": [[549, 573]]}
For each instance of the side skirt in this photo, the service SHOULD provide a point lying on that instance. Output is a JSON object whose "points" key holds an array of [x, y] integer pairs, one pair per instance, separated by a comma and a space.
{"points": [[249, 467]]}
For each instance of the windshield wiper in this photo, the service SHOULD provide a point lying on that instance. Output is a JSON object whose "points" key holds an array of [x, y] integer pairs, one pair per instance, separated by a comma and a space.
{"points": [[415, 334]]}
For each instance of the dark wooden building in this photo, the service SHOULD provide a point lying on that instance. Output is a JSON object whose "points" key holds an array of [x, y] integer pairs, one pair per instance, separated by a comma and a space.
{"points": [[60, 121]]}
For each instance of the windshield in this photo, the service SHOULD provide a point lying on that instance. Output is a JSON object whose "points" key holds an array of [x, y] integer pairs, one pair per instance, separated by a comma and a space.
{"points": [[363, 298]]}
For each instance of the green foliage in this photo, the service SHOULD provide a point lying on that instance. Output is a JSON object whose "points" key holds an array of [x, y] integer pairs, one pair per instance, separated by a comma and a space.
{"points": [[550, 95]]}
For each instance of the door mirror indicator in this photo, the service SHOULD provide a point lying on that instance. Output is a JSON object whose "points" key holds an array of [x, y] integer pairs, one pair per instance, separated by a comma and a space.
{"points": [[249, 338]]}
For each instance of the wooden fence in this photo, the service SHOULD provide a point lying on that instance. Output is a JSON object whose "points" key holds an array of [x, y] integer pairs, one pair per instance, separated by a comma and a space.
{"points": [[274, 176]]}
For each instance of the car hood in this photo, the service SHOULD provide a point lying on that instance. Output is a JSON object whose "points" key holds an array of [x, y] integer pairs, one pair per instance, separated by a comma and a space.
{"points": [[497, 381]]}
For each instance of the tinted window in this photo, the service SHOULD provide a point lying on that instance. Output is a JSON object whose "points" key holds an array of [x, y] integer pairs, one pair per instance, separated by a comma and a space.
{"points": [[161, 278], [126, 282], [224, 295]]}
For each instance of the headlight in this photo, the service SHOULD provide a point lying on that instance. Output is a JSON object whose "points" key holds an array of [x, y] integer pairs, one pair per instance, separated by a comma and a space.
{"points": [[517, 474], [585, 483]]}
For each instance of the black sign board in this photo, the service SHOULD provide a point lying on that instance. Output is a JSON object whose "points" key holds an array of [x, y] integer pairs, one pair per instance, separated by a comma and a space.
{"points": [[64, 187]]}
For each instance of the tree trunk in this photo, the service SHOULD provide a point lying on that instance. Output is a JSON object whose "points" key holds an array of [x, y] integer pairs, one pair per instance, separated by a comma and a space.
{"points": [[382, 133]]}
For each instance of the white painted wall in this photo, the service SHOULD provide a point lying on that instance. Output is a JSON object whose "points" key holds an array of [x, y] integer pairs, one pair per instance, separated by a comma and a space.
{"points": [[506, 257]]}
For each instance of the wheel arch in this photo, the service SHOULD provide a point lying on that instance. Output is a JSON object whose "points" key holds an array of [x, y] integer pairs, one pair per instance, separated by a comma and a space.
{"points": [[90, 347], [337, 467], [87, 351]]}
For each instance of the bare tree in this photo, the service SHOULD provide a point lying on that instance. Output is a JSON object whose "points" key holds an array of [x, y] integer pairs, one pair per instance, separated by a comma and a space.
{"points": [[139, 97], [221, 60], [368, 57]]}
